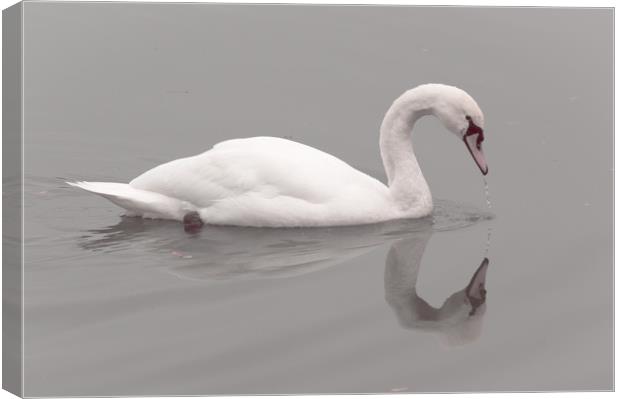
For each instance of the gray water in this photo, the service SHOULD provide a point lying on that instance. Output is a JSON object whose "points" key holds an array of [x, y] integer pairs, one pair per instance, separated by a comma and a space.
{"points": [[123, 306]]}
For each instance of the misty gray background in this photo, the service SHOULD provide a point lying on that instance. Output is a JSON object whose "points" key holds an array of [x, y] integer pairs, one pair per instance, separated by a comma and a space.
{"points": [[117, 307]]}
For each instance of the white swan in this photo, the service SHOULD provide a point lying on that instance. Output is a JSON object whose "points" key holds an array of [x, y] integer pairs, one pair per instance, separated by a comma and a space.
{"points": [[273, 182]]}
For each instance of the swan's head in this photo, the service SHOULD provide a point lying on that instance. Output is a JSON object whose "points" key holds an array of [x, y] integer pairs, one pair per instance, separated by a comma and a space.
{"points": [[460, 114]]}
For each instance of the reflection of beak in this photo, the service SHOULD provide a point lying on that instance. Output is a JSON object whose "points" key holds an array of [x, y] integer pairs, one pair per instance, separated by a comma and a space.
{"points": [[475, 291], [475, 149]]}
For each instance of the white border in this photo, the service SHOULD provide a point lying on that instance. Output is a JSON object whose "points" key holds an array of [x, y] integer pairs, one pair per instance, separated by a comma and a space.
{"points": [[541, 3], [483, 3]]}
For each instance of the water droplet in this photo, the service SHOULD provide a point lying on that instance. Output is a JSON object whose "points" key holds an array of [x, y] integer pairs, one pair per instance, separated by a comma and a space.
{"points": [[490, 229], [488, 244], [486, 192]]}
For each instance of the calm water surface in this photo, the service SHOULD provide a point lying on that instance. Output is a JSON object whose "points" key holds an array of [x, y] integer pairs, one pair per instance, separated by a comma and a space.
{"points": [[123, 306]]}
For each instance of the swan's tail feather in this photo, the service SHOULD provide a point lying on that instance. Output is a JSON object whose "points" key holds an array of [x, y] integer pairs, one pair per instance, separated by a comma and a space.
{"points": [[137, 202]]}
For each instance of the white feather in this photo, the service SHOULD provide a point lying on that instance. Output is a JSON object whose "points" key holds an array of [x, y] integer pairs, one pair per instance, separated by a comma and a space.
{"points": [[273, 182], [138, 202]]}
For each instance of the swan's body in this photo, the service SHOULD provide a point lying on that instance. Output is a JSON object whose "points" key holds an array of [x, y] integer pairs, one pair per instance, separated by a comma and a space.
{"points": [[273, 182]]}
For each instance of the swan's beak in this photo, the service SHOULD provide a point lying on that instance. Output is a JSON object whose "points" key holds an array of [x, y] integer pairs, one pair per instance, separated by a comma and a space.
{"points": [[476, 291], [474, 145]]}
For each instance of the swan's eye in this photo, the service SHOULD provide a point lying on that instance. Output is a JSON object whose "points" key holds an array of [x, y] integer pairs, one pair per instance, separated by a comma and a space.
{"points": [[468, 117]]}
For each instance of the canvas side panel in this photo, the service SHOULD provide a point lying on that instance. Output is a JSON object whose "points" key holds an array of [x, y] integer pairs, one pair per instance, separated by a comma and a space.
{"points": [[12, 199]]}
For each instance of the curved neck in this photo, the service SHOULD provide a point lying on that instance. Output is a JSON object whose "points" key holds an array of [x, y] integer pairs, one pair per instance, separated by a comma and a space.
{"points": [[405, 180], [402, 265]]}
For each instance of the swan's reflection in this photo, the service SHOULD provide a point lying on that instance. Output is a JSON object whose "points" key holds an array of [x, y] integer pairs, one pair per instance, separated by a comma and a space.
{"points": [[224, 253], [457, 321]]}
